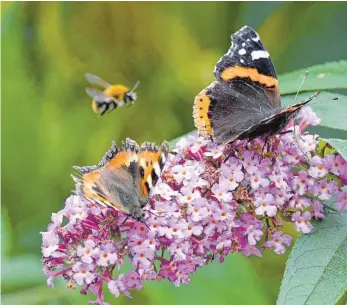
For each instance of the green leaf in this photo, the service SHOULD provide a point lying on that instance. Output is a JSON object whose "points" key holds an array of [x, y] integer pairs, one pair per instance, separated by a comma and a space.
{"points": [[339, 145], [331, 75], [173, 142], [333, 113], [316, 269]]}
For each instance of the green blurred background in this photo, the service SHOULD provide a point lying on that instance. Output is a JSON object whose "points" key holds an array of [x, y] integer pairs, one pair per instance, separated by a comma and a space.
{"points": [[48, 124]]}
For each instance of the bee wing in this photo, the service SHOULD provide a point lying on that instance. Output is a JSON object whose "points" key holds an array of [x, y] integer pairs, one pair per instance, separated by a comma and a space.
{"points": [[97, 95], [96, 80]]}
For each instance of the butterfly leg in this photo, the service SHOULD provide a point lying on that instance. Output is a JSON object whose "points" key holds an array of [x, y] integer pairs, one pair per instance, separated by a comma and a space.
{"points": [[265, 144], [284, 132], [124, 221]]}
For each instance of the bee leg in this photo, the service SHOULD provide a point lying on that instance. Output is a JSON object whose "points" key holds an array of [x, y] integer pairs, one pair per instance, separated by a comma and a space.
{"points": [[107, 106], [114, 105]]}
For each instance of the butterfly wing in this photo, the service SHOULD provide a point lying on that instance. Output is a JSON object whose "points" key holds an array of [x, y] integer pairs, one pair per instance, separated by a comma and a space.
{"points": [[114, 164], [117, 189], [245, 91], [273, 123], [124, 177], [247, 58], [151, 163]]}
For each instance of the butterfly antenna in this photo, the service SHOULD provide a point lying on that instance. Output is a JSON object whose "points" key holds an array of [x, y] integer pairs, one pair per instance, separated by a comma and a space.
{"points": [[302, 82], [323, 101]]}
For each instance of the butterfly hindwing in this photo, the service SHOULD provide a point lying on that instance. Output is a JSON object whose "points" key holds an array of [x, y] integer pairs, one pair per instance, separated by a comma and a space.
{"points": [[223, 111], [118, 187]]}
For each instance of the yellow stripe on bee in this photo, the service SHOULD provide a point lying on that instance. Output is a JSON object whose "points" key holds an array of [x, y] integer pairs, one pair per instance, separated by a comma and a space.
{"points": [[116, 91], [200, 113], [95, 107], [252, 73]]}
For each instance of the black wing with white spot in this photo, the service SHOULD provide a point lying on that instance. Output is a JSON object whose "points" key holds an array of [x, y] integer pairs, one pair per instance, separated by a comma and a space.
{"points": [[246, 51]]}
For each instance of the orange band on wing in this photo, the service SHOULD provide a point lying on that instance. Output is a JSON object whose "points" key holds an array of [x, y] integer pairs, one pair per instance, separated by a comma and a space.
{"points": [[88, 182], [123, 158], [200, 113], [252, 73], [147, 160]]}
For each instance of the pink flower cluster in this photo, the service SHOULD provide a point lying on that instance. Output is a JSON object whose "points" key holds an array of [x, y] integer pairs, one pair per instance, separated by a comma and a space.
{"points": [[211, 201]]}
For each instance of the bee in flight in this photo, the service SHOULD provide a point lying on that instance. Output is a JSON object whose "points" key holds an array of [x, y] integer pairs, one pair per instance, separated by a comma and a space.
{"points": [[111, 97]]}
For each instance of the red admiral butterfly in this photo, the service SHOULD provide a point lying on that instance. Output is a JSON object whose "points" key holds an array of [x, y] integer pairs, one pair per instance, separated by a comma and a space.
{"points": [[244, 101]]}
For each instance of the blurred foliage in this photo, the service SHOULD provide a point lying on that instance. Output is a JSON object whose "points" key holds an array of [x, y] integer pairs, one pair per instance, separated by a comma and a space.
{"points": [[48, 124]]}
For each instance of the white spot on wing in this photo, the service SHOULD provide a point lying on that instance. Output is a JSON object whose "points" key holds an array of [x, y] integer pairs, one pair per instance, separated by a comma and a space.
{"points": [[243, 44], [143, 162], [242, 51], [259, 54], [163, 158], [242, 61], [256, 39], [157, 169], [149, 181]]}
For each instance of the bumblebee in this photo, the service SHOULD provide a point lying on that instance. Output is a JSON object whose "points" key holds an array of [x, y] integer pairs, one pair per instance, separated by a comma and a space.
{"points": [[112, 96]]}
